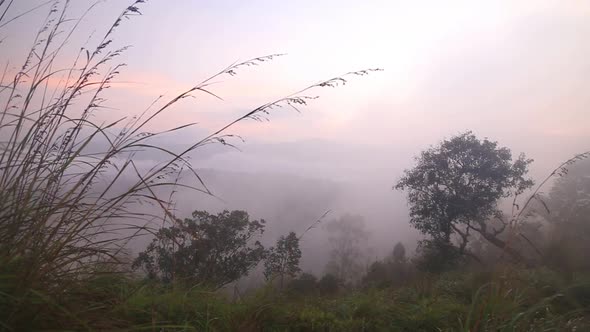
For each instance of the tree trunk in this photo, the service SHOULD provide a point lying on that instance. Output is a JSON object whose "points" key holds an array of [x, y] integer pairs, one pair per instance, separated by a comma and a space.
{"points": [[504, 246]]}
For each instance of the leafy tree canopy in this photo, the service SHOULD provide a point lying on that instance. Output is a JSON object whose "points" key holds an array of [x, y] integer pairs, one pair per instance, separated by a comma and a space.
{"points": [[209, 249], [455, 187], [283, 259]]}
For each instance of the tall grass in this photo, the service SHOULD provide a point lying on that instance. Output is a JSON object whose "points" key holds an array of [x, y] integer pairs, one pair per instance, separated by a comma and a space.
{"points": [[67, 208]]}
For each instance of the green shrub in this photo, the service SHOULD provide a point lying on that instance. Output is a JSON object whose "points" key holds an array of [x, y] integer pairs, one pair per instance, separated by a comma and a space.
{"points": [[329, 285], [306, 284]]}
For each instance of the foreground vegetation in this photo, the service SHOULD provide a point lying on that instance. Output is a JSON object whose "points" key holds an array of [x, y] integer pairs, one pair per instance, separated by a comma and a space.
{"points": [[504, 300]]}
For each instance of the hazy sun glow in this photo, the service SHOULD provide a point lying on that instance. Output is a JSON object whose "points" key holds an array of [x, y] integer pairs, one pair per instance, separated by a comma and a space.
{"points": [[490, 66]]}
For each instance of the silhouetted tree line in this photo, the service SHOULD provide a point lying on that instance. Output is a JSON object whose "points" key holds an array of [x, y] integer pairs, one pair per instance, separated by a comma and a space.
{"points": [[454, 192]]}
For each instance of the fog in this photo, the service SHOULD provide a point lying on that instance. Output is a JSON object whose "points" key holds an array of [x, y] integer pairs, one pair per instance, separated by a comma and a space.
{"points": [[292, 185], [516, 73]]}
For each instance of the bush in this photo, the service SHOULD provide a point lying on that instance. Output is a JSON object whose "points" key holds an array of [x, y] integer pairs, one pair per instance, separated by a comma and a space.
{"points": [[304, 285], [329, 285], [437, 257]]}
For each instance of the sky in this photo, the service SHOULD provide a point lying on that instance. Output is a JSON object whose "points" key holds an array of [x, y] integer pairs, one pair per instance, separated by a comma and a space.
{"points": [[501, 68], [513, 71]]}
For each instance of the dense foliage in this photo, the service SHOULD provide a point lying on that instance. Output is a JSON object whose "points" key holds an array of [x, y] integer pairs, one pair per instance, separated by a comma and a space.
{"points": [[567, 210], [456, 186], [282, 260], [462, 300], [394, 271], [210, 249]]}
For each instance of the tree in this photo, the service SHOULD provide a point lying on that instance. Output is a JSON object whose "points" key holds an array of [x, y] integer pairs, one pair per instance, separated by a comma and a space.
{"points": [[392, 271], [398, 255], [348, 238], [329, 285], [455, 188], [210, 249], [569, 198], [378, 275], [567, 211], [283, 259], [400, 269], [304, 284], [436, 256]]}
